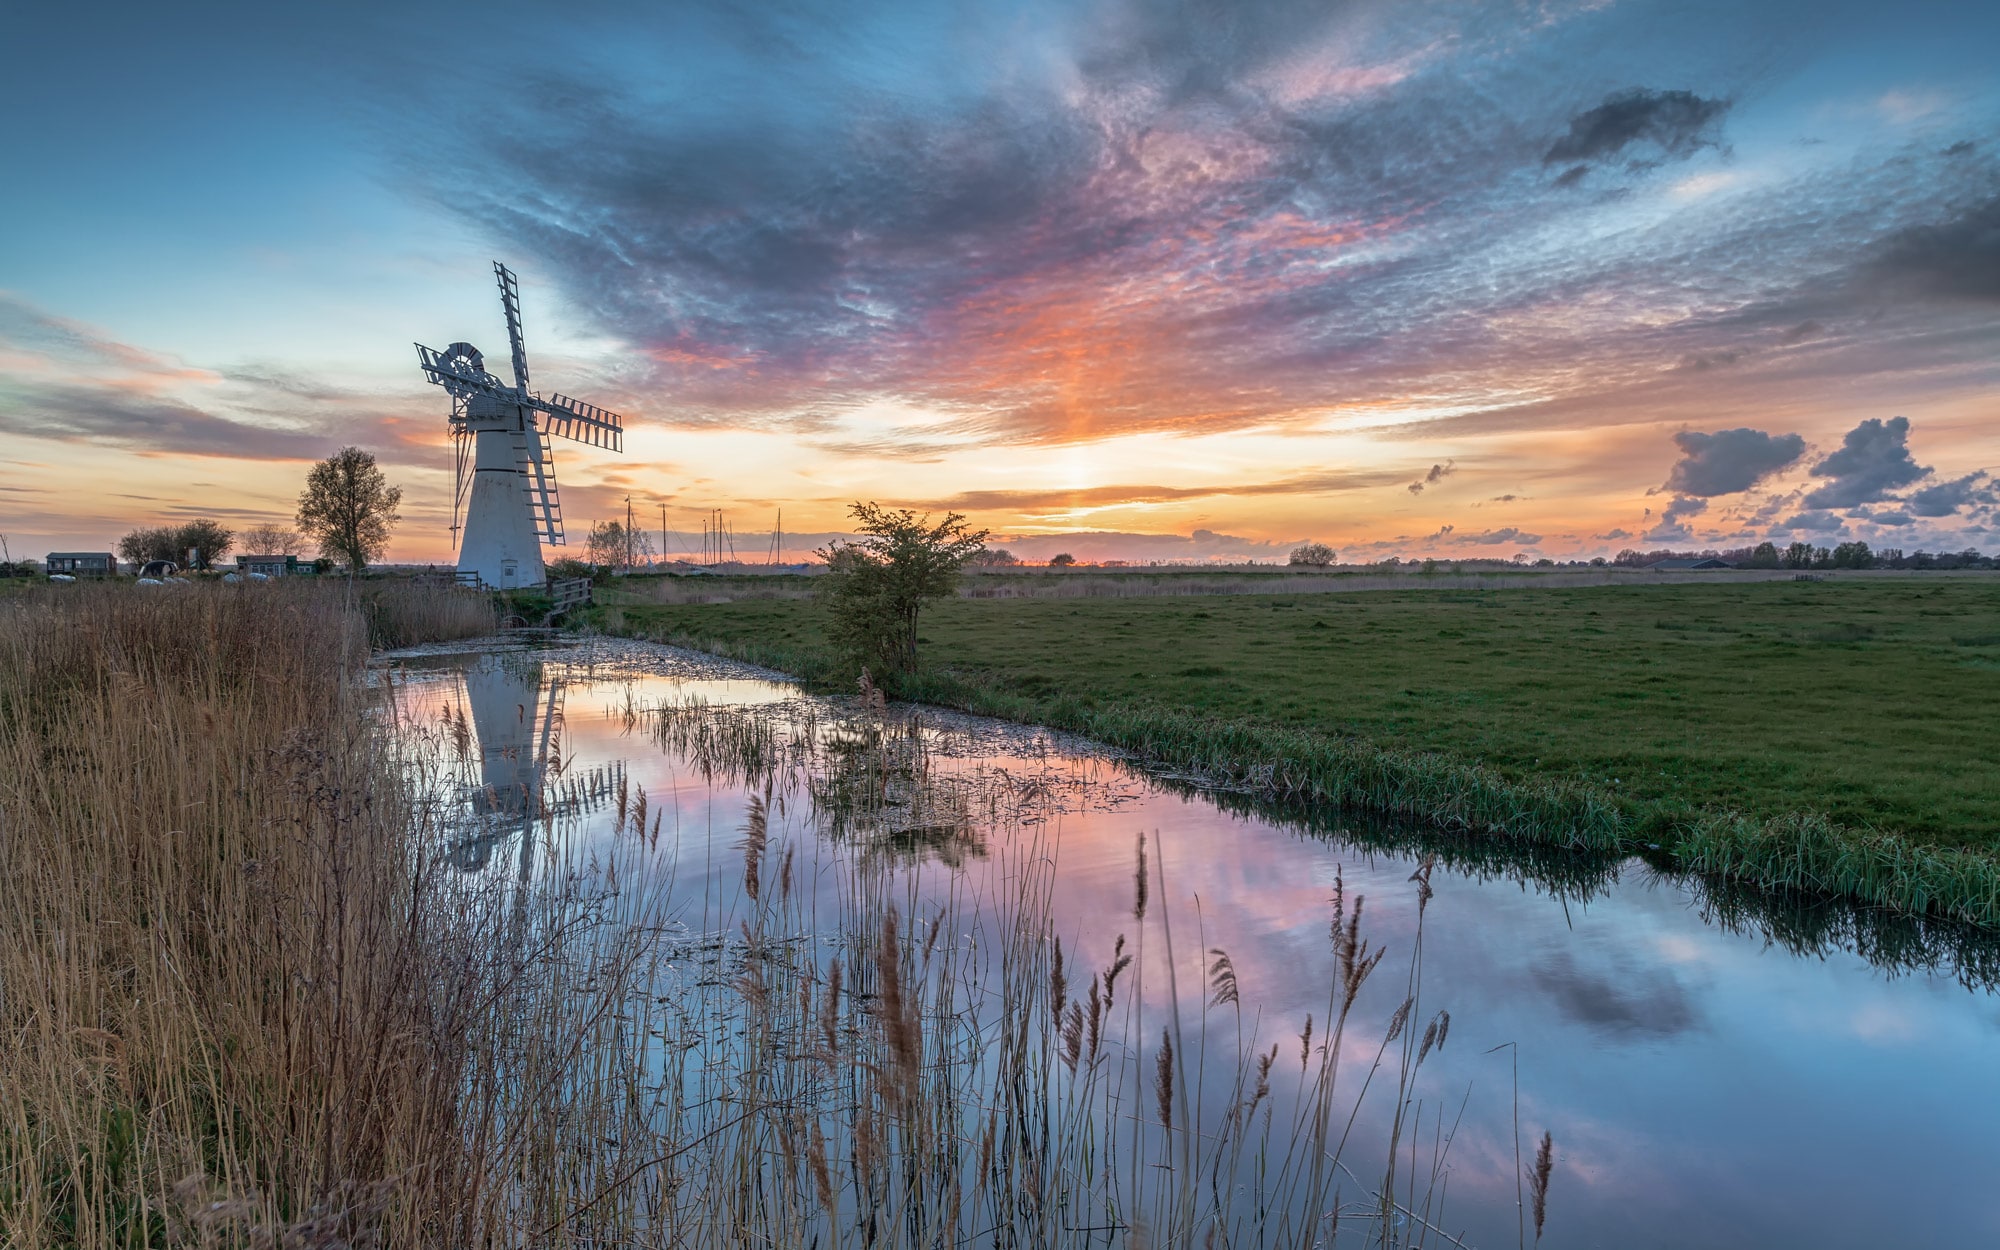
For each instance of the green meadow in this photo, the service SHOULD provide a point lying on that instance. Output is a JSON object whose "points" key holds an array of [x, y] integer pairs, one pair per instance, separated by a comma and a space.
{"points": [[1871, 702]]}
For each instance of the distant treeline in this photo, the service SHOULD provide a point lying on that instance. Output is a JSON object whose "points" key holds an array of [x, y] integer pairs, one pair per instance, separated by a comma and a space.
{"points": [[1855, 555]]}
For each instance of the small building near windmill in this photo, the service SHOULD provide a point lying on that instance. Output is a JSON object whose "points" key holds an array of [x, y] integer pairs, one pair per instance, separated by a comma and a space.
{"points": [[274, 566], [83, 563], [1688, 566]]}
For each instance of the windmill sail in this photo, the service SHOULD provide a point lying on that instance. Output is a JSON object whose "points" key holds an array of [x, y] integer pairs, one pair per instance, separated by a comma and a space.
{"points": [[584, 423], [538, 473]]}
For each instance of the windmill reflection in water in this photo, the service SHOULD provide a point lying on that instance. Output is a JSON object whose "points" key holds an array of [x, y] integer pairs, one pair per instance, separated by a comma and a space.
{"points": [[516, 722]]}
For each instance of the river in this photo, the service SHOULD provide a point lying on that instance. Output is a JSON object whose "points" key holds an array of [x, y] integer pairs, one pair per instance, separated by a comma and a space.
{"points": [[1714, 1068]]}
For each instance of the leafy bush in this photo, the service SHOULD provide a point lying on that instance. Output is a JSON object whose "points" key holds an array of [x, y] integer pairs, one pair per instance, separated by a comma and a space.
{"points": [[875, 587], [1316, 555]]}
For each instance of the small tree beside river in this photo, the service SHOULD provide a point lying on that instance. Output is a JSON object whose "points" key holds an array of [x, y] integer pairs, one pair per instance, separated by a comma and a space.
{"points": [[876, 586]]}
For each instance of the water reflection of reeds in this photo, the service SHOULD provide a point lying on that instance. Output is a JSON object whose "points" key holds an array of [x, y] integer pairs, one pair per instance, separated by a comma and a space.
{"points": [[873, 782]]}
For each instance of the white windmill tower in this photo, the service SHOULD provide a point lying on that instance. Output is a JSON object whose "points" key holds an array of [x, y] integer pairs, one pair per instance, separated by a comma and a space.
{"points": [[509, 498]]}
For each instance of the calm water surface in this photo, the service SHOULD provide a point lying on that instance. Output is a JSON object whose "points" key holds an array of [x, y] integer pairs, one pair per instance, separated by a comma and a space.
{"points": [[1715, 1070]]}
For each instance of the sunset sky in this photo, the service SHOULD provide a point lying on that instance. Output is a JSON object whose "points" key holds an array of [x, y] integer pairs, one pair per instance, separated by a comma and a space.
{"points": [[1134, 280]]}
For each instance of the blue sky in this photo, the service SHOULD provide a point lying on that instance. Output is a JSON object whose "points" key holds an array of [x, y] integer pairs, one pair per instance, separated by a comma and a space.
{"points": [[1141, 279]]}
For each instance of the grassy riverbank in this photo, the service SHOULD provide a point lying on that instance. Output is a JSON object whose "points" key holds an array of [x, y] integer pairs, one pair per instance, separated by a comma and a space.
{"points": [[1829, 735]]}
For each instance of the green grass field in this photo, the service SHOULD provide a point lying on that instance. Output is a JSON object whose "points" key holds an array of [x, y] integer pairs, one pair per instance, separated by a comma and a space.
{"points": [[1875, 702]]}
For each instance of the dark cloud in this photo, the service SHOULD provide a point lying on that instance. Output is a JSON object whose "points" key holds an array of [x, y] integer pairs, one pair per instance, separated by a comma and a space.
{"points": [[1438, 473], [1683, 507], [1495, 538], [1702, 362], [1801, 332], [1964, 147], [1957, 259], [1893, 518], [1614, 535], [78, 413], [1808, 522], [1729, 461], [1946, 498], [1631, 1002], [1678, 123], [1873, 460], [1673, 526], [1769, 509]]}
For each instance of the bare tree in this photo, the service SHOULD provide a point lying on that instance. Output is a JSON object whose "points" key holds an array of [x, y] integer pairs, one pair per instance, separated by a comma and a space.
{"points": [[273, 540], [348, 507], [611, 545]]}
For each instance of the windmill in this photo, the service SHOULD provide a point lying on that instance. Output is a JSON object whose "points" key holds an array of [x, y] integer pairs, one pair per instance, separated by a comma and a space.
{"points": [[500, 433]]}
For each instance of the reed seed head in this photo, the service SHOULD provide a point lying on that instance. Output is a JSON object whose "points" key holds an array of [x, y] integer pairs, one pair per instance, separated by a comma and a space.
{"points": [[1139, 880], [1538, 1184], [1222, 980], [1094, 1021], [1397, 1021], [1058, 983], [755, 833]]}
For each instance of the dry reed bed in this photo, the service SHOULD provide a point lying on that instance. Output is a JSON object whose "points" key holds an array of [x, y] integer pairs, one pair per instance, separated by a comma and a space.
{"points": [[222, 1002]]}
